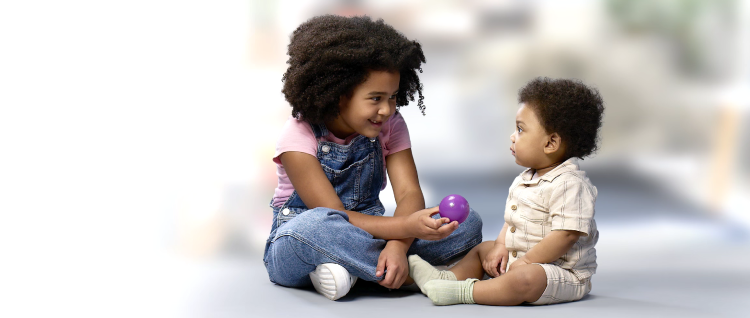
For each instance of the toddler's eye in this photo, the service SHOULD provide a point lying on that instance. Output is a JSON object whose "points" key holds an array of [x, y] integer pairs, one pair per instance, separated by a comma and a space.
{"points": [[376, 98], [393, 96], [519, 128]]}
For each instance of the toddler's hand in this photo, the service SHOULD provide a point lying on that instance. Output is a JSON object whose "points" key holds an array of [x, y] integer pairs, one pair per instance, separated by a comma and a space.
{"points": [[496, 260], [519, 262], [421, 225]]}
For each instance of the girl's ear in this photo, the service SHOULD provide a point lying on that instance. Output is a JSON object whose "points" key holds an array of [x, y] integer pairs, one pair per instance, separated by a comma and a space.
{"points": [[554, 143]]}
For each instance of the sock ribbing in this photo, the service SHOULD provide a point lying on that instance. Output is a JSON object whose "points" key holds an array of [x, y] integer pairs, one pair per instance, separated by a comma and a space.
{"points": [[443, 292], [422, 272]]}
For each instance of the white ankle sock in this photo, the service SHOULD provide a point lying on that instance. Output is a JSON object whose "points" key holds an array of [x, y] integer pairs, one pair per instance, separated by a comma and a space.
{"points": [[445, 292], [422, 272]]}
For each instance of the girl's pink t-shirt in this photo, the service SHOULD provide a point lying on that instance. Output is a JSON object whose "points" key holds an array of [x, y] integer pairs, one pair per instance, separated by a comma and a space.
{"points": [[297, 135]]}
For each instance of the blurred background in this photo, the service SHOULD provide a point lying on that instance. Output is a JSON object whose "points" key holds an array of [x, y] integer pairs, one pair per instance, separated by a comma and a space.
{"points": [[136, 137]]}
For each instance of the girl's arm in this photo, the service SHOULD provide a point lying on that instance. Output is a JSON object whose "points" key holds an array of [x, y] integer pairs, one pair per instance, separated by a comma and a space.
{"points": [[313, 187], [409, 199], [406, 190]]}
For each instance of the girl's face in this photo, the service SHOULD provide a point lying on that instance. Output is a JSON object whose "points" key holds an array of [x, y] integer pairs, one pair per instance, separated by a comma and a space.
{"points": [[370, 105], [529, 139]]}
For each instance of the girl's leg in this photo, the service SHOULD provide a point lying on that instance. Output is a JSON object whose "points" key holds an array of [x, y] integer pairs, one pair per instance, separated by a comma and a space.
{"points": [[316, 237]]}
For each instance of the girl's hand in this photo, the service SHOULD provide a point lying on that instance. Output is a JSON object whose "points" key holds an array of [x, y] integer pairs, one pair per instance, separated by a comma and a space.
{"points": [[392, 262], [421, 225], [496, 260]]}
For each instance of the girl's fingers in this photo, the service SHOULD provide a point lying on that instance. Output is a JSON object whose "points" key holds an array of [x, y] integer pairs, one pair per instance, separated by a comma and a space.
{"points": [[448, 229], [380, 268], [387, 280], [436, 223], [439, 222], [433, 210]]}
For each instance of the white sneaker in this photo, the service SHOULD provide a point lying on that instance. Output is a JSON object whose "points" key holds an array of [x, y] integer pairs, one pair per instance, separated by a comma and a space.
{"points": [[332, 280]]}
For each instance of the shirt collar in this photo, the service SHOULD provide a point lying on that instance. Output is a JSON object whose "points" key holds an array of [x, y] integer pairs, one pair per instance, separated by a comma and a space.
{"points": [[567, 165]]}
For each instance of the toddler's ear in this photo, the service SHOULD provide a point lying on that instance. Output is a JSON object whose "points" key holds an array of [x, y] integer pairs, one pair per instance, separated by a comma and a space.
{"points": [[554, 143]]}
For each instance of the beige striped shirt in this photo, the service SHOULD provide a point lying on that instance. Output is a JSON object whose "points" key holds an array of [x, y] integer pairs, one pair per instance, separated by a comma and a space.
{"points": [[562, 199]]}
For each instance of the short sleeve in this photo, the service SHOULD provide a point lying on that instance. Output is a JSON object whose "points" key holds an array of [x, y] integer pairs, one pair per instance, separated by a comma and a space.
{"points": [[572, 206], [396, 137], [296, 135]]}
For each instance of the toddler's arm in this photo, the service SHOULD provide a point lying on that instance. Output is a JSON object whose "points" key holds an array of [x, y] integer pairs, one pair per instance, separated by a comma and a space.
{"points": [[571, 213], [496, 260], [549, 249]]}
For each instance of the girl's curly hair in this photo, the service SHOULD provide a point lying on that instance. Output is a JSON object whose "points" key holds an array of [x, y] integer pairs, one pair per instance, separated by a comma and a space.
{"points": [[330, 55], [569, 108]]}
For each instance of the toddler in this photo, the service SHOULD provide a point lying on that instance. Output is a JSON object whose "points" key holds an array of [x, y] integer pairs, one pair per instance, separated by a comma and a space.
{"points": [[547, 241]]}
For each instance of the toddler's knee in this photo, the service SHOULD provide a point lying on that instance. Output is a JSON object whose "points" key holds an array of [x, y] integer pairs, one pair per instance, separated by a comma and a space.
{"points": [[526, 280]]}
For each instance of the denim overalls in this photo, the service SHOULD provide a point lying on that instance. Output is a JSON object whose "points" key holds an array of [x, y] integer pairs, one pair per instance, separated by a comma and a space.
{"points": [[302, 238]]}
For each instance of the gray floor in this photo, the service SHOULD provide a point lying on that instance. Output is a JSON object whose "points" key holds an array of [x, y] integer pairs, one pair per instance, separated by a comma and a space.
{"points": [[657, 256]]}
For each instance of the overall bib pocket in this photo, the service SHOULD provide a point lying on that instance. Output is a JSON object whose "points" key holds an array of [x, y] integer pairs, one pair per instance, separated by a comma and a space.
{"points": [[352, 183]]}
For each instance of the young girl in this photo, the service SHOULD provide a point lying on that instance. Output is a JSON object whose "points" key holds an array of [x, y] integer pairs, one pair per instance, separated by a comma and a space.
{"points": [[549, 228], [345, 81]]}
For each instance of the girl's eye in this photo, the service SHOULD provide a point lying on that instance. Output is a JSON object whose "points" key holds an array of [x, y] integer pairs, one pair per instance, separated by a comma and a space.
{"points": [[393, 96], [519, 128], [376, 98]]}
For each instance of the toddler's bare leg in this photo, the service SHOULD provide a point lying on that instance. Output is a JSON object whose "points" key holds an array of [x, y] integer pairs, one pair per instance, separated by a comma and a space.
{"points": [[471, 265], [525, 283]]}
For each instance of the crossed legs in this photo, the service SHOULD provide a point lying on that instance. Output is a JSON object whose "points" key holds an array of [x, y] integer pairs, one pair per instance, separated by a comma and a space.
{"points": [[524, 283]]}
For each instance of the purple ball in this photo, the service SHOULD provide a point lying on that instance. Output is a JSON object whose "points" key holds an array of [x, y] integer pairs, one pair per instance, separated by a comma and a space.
{"points": [[455, 208]]}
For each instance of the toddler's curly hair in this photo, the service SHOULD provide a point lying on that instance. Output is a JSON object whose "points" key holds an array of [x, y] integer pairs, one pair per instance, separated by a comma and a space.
{"points": [[569, 108], [330, 55]]}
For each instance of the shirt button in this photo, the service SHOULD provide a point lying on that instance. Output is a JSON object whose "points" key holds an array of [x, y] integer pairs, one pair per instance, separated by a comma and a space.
{"points": [[285, 211], [513, 207], [513, 229], [515, 253], [372, 140], [325, 148]]}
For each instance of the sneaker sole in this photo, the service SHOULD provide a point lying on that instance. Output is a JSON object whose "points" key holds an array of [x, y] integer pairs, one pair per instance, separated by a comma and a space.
{"points": [[331, 280]]}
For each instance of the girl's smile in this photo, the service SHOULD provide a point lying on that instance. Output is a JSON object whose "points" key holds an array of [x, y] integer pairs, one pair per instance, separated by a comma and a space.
{"points": [[377, 124]]}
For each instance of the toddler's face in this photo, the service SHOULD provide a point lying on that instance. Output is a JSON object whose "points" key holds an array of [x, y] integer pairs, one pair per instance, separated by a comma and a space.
{"points": [[370, 105], [528, 139]]}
